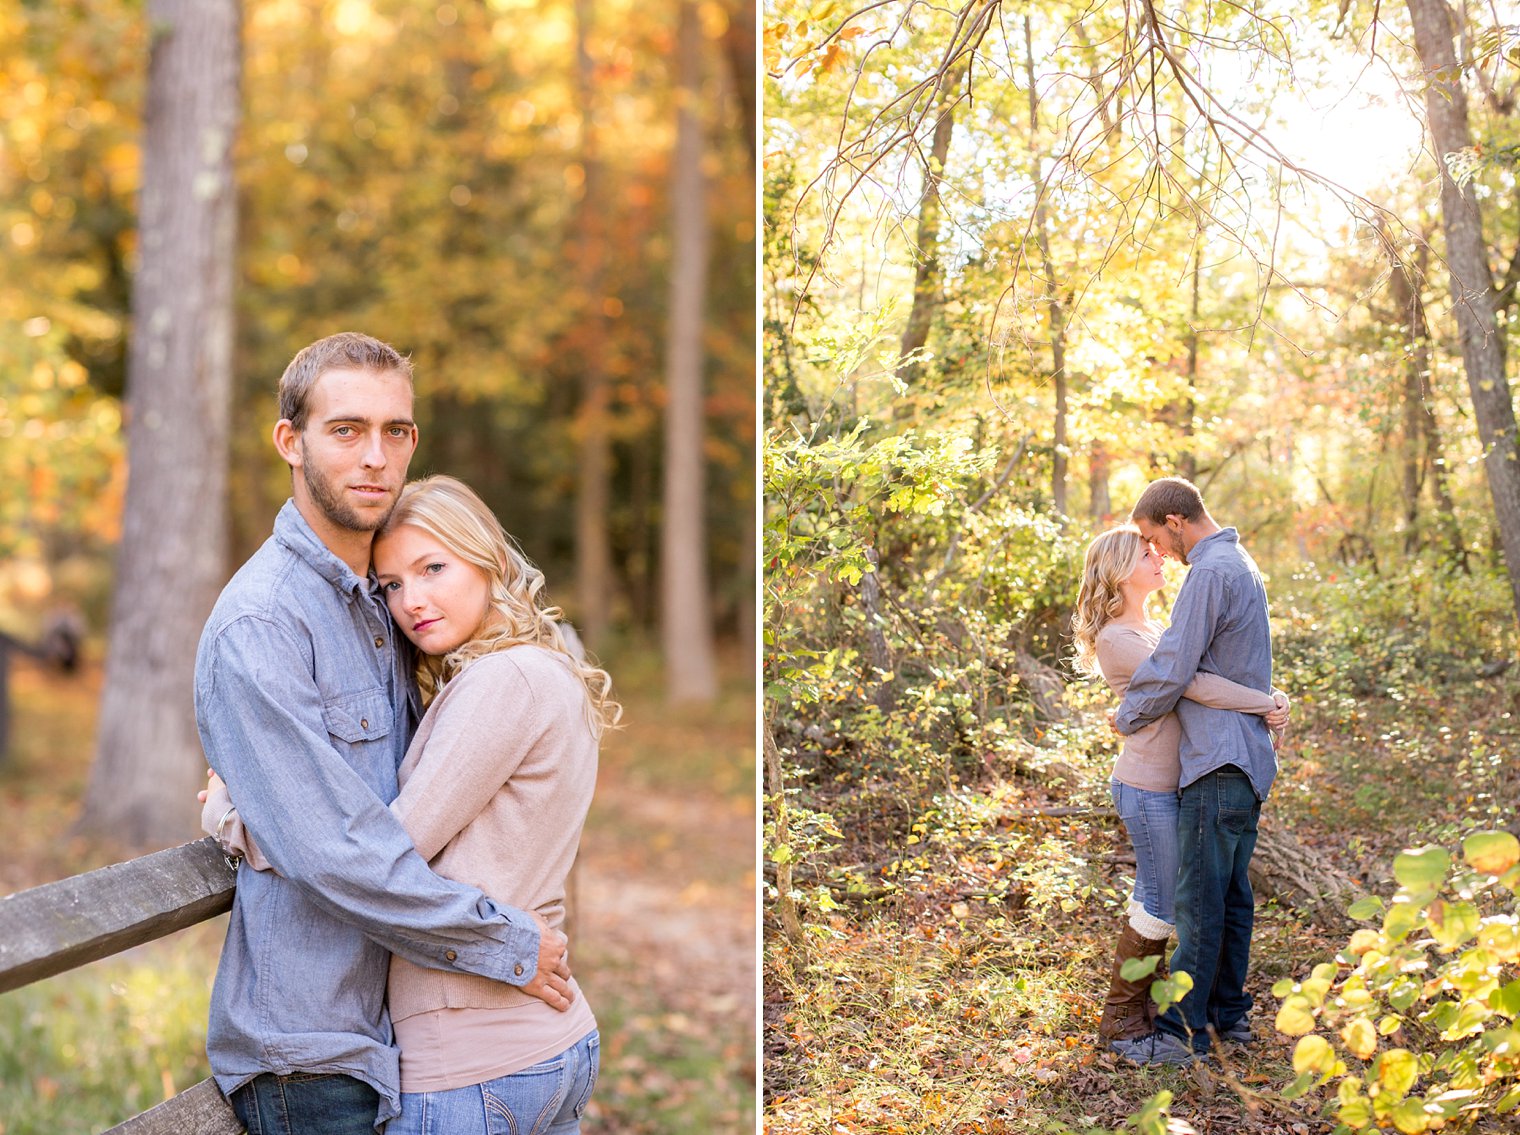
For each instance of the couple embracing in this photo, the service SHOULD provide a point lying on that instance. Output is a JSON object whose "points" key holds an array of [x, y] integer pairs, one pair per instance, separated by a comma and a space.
{"points": [[407, 805], [1201, 724]]}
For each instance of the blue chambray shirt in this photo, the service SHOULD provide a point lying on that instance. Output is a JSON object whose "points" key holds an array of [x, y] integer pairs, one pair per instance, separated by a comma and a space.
{"points": [[305, 706], [1219, 625]]}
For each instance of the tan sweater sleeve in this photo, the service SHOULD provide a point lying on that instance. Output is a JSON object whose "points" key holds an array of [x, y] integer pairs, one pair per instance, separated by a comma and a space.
{"points": [[490, 723], [1121, 651], [1221, 693]]}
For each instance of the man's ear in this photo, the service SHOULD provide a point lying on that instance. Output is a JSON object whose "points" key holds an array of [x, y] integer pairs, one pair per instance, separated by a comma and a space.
{"points": [[287, 442]]}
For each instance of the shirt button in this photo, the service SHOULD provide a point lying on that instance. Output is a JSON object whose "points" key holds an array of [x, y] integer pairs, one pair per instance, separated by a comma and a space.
{"points": [[517, 971], [363, 723], [379, 641], [451, 955]]}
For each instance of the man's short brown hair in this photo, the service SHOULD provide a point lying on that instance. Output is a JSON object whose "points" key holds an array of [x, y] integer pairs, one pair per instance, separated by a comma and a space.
{"points": [[1170, 496], [347, 350]]}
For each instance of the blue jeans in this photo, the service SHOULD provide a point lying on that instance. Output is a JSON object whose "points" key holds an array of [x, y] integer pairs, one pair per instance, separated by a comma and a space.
{"points": [[306, 1103], [1215, 907], [546, 1099], [1151, 820]]}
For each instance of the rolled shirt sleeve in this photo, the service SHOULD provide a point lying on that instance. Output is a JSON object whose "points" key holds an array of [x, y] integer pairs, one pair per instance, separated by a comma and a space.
{"points": [[324, 828], [1162, 680]]}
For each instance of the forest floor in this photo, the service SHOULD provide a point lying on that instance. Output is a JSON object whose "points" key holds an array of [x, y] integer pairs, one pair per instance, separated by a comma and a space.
{"points": [[664, 932], [956, 986]]}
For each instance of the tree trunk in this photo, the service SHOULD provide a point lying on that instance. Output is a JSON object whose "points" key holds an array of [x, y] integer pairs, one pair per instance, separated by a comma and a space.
{"points": [[1188, 465], [879, 655], [686, 618], [1471, 282], [1100, 505], [593, 551], [775, 783], [926, 277], [739, 47], [1055, 310], [1416, 362], [1297, 876], [172, 559]]}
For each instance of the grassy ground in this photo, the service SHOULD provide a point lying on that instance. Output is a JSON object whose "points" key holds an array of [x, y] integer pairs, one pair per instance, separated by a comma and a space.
{"points": [[85, 1050], [955, 987]]}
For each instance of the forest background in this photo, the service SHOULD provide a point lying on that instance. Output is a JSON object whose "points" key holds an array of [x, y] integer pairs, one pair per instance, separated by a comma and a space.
{"points": [[1017, 262], [550, 208]]}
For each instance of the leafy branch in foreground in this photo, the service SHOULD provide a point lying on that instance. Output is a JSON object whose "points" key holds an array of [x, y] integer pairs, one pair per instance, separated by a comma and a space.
{"points": [[1424, 1005]]}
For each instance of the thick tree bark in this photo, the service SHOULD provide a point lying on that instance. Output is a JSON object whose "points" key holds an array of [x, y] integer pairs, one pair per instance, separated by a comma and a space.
{"points": [[927, 274], [593, 548], [1472, 286], [686, 618], [172, 558]]}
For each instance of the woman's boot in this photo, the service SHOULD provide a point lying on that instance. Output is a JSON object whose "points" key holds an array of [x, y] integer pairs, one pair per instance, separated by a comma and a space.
{"points": [[1127, 1011]]}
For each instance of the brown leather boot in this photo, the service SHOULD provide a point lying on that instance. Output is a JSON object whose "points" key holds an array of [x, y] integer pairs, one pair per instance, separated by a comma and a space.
{"points": [[1161, 974], [1128, 1011]]}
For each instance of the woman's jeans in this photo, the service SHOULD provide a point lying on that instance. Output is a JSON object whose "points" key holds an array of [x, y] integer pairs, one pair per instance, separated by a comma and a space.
{"points": [[546, 1099], [1151, 820], [306, 1103], [1215, 906]]}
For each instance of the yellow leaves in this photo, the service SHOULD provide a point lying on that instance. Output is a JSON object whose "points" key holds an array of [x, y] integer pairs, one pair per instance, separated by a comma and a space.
{"points": [[1493, 853], [1360, 1038], [1313, 1054], [1396, 1071], [1452, 923], [1296, 1017], [1363, 940], [1500, 936]]}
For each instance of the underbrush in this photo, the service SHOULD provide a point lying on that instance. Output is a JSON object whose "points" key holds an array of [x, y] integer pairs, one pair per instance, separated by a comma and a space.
{"points": [[959, 879]]}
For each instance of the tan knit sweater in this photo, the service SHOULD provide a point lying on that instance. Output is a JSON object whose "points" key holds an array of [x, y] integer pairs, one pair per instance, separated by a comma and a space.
{"points": [[1149, 758], [494, 790]]}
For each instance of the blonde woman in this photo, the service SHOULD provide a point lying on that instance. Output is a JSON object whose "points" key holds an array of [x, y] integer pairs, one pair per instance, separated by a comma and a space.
{"points": [[1113, 637], [494, 791]]}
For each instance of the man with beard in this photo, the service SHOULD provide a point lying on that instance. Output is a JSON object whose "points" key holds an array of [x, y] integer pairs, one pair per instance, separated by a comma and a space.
{"points": [[305, 703]]}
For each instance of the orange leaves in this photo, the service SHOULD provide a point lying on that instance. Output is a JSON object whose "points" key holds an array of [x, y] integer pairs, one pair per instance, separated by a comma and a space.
{"points": [[808, 45]]}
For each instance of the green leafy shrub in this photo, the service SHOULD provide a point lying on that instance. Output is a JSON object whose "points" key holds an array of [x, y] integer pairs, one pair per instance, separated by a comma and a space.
{"points": [[1414, 1023], [1352, 632]]}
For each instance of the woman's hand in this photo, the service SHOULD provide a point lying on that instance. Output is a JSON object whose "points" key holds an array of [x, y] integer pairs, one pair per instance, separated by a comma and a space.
{"points": [[1277, 719]]}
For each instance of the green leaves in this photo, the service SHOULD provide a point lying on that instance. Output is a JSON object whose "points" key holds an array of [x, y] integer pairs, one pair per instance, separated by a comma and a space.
{"points": [[1421, 869], [1134, 969], [1438, 977]]}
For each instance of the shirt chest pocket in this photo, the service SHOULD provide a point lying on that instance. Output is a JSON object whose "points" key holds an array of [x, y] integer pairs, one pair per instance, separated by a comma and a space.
{"points": [[357, 717]]}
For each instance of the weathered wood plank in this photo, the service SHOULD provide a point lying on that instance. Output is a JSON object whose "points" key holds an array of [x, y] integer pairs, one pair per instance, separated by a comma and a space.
{"points": [[57, 926], [200, 1110]]}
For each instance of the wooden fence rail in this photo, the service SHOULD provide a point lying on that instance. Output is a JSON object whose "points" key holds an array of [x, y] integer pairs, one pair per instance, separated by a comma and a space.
{"points": [[59, 926]]}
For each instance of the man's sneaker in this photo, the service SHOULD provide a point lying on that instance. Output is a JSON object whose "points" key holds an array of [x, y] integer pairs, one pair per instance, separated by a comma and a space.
{"points": [[1157, 1048], [1238, 1034]]}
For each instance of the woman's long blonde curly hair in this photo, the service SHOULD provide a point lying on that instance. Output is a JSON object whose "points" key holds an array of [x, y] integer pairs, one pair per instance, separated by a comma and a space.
{"points": [[449, 511], [1110, 560]]}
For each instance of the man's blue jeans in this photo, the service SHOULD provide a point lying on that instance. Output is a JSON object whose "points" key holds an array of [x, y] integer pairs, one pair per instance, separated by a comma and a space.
{"points": [[306, 1103], [1216, 831]]}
